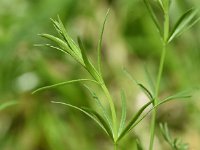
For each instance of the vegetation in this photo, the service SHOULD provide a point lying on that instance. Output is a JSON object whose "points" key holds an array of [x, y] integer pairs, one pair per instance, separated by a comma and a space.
{"points": [[105, 108]]}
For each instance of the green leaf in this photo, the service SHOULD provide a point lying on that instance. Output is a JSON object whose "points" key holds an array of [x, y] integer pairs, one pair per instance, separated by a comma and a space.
{"points": [[89, 67], [107, 117], [155, 106], [123, 114], [7, 104], [62, 83], [153, 16], [63, 45], [94, 116], [150, 80], [54, 47], [100, 42], [176, 144], [180, 95], [133, 120], [139, 145], [161, 4], [102, 121], [144, 89], [165, 132], [185, 21], [62, 31]]}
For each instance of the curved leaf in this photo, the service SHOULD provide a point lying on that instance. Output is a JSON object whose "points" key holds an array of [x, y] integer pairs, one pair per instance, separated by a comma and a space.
{"points": [[144, 89], [7, 104], [62, 83], [133, 120], [107, 117], [123, 115], [92, 114], [185, 20], [99, 47]]}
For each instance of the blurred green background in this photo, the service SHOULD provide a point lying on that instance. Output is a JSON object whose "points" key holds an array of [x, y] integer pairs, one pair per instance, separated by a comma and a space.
{"points": [[130, 41]]}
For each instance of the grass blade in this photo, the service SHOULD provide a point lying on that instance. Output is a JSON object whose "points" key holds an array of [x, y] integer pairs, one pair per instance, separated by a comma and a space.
{"points": [[62, 83], [123, 115], [7, 104], [86, 112], [99, 47]]}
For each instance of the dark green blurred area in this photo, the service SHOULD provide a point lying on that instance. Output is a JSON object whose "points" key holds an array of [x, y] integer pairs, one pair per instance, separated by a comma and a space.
{"points": [[130, 41]]}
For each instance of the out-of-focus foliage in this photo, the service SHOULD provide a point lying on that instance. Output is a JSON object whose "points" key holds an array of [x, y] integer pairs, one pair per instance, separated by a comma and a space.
{"points": [[130, 41]]}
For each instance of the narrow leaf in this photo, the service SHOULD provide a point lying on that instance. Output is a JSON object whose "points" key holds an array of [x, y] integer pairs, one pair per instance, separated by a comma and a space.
{"points": [[107, 117], [161, 4], [155, 106], [165, 132], [139, 145], [62, 83], [54, 47], [64, 45], [180, 95], [123, 114], [153, 16], [182, 23], [144, 89], [101, 120], [85, 112], [62, 31], [89, 67], [150, 80], [133, 120], [7, 104], [100, 42]]}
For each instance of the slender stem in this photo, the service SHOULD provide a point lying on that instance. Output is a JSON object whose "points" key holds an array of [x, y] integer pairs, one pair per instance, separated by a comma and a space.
{"points": [[153, 121], [113, 112], [161, 65], [115, 146]]}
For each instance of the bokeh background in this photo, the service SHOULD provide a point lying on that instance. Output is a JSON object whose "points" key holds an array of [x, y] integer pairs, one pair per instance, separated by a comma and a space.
{"points": [[130, 40]]}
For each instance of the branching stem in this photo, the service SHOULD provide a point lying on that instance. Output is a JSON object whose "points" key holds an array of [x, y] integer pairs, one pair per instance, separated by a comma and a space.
{"points": [[160, 71]]}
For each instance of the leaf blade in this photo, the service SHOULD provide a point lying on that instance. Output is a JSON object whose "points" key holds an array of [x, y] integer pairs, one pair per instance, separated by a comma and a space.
{"points": [[107, 117], [153, 16], [62, 83], [123, 114], [83, 111], [7, 104], [182, 23], [99, 47], [133, 120]]}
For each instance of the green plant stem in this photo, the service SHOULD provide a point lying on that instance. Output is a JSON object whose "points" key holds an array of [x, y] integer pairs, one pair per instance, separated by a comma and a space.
{"points": [[153, 121], [161, 65], [113, 112], [115, 146]]}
